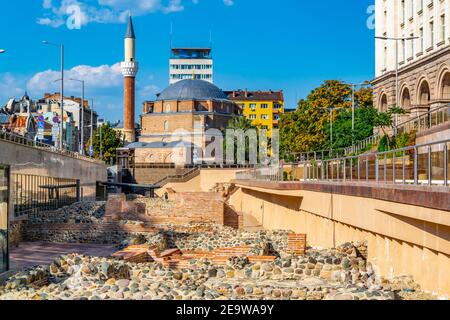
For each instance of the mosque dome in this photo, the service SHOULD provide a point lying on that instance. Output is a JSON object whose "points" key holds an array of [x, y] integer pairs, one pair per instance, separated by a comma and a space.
{"points": [[192, 90]]}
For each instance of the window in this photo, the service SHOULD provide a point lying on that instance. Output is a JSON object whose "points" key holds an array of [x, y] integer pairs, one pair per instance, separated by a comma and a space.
{"points": [[276, 117], [264, 127], [264, 106], [403, 50], [253, 106], [252, 117], [166, 125], [443, 27], [420, 39], [277, 106], [431, 34], [403, 11], [412, 46], [265, 117]]}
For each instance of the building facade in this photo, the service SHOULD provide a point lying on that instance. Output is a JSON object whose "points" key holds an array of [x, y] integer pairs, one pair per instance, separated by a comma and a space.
{"points": [[423, 63], [191, 63], [263, 108], [72, 107]]}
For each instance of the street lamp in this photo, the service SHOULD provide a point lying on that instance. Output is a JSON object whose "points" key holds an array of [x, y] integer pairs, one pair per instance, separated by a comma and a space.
{"points": [[82, 117], [331, 126], [61, 130], [396, 67]]}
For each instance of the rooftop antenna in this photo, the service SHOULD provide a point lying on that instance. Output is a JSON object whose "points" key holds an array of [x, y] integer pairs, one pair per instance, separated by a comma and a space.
{"points": [[210, 39], [171, 35]]}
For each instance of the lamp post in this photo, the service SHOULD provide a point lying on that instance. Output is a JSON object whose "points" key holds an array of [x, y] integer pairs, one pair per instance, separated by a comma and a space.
{"points": [[101, 145], [92, 128], [82, 152], [331, 126], [61, 129], [396, 67]]}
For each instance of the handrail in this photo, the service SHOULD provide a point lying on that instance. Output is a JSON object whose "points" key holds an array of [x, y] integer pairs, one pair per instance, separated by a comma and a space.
{"points": [[426, 119], [412, 165]]}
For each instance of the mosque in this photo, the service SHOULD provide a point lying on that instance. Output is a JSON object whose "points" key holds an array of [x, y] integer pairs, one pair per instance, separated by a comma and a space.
{"points": [[176, 124]]}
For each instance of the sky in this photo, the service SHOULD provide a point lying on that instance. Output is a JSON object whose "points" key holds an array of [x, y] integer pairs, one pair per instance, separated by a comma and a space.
{"points": [[289, 45]]}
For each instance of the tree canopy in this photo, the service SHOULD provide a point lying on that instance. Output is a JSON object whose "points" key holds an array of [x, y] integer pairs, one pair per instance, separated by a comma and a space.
{"points": [[308, 127], [111, 141]]}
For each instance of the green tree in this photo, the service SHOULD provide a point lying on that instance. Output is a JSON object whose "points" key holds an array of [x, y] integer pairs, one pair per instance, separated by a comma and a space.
{"points": [[307, 128], [110, 142]]}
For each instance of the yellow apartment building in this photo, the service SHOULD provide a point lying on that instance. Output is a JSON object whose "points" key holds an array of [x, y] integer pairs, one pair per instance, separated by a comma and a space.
{"points": [[263, 108]]}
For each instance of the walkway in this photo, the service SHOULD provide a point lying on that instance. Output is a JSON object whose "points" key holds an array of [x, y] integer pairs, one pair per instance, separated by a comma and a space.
{"points": [[37, 253]]}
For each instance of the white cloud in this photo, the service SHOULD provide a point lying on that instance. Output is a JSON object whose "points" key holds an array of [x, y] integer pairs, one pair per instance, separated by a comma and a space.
{"points": [[10, 87], [107, 11], [101, 77]]}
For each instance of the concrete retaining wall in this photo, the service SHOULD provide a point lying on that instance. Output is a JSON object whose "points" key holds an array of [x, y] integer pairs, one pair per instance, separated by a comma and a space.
{"points": [[403, 239], [28, 160]]}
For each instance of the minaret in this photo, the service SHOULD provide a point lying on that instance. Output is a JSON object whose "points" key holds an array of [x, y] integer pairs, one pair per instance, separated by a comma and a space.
{"points": [[129, 70]]}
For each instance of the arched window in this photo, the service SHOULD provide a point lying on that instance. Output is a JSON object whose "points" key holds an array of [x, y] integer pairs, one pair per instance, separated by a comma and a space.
{"points": [[167, 109], [445, 87], [383, 103], [166, 125], [406, 99], [424, 94]]}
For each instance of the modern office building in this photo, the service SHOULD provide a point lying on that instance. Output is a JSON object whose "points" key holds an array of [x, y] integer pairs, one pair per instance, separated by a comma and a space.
{"points": [[421, 54], [263, 108], [191, 63]]}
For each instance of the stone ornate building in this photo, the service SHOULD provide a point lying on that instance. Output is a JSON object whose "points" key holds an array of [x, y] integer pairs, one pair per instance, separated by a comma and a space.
{"points": [[423, 63]]}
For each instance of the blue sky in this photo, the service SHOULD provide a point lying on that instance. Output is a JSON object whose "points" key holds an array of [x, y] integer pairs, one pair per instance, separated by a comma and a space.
{"points": [[258, 44]]}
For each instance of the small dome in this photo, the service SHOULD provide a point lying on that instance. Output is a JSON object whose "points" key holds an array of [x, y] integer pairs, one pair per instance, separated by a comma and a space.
{"points": [[192, 90]]}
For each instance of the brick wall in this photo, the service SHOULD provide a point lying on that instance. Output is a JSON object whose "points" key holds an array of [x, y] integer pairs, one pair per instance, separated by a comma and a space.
{"points": [[180, 208]]}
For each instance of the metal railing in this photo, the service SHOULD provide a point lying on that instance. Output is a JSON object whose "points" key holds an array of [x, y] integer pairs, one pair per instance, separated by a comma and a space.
{"points": [[426, 164], [32, 193], [433, 118], [338, 152], [190, 173], [362, 145], [271, 173], [11, 137]]}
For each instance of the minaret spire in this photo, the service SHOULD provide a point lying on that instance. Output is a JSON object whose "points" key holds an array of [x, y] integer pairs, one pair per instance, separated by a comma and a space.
{"points": [[130, 30]]}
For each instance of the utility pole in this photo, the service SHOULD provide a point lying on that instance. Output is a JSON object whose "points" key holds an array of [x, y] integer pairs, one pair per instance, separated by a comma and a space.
{"points": [[101, 145], [92, 130], [61, 129], [81, 148], [396, 70]]}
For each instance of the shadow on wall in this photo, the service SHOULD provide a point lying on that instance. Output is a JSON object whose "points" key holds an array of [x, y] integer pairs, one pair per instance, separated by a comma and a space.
{"points": [[288, 202]]}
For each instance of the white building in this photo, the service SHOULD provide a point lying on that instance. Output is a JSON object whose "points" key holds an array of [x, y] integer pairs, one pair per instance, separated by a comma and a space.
{"points": [[191, 63], [423, 63]]}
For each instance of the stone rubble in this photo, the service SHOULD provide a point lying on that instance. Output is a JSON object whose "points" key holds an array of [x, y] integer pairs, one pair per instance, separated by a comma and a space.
{"points": [[342, 273], [319, 275], [88, 212]]}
